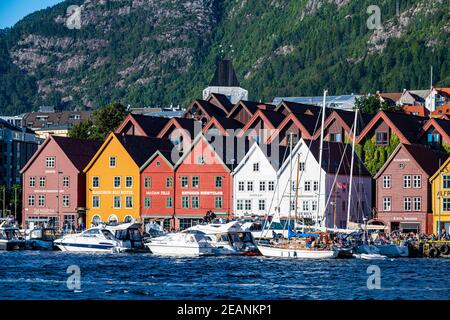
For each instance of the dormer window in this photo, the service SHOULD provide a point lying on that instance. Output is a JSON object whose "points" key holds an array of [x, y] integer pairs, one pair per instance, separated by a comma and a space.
{"points": [[433, 138], [382, 139]]}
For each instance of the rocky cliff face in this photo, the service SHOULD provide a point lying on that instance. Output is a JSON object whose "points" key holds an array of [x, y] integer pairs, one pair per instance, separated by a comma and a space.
{"points": [[162, 52]]}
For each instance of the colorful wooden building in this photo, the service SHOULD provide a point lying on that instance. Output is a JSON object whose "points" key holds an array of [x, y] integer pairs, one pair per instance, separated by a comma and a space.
{"points": [[440, 197]]}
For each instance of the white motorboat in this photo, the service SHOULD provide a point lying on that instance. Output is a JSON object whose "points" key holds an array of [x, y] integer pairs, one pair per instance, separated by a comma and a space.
{"points": [[368, 252], [129, 234], [393, 251], [228, 238], [181, 244], [292, 251], [11, 238], [96, 239]]}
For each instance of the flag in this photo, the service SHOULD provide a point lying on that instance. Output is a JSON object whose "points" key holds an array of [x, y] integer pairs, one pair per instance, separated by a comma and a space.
{"points": [[341, 185]]}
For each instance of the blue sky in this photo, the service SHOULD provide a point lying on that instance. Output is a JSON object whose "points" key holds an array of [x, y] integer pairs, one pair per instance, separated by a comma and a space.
{"points": [[12, 11]]}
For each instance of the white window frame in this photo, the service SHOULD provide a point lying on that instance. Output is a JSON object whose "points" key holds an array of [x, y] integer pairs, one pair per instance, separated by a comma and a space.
{"points": [[93, 201], [111, 160], [50, 162], [387, 182]]}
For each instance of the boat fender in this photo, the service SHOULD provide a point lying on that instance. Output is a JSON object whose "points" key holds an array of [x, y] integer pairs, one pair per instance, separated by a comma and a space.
{"points": [[445, 249], [433, 253]]}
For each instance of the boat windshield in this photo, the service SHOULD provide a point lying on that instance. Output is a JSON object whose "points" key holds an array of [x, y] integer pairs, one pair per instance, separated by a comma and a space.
{"points": [[108, 235], [275, 225], [129, 234], [10, 234]]}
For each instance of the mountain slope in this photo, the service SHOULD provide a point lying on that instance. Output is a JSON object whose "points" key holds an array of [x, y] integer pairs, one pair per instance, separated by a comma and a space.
{"points": [[158, 52]]}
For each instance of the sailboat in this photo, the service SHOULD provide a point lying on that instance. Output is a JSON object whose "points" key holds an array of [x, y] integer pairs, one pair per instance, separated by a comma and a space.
{"points": [[312, 245]]}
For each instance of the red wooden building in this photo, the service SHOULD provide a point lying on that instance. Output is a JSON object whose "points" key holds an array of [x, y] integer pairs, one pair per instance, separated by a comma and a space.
{"points": [[54, 187]]}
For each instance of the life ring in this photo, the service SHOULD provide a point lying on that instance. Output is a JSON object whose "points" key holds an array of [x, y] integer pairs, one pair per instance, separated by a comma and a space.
{"points": [[433, 252], [445, 249]]}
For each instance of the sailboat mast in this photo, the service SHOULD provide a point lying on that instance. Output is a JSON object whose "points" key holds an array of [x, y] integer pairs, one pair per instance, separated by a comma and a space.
{"points": [[351, 168], [320, 156], [290, 178]]}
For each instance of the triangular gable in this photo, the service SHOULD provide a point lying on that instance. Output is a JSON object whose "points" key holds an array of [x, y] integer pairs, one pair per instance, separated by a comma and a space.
{"points": [[441, 169], [246, 157], [295, 150], [258, 115], [237, 107], [199, 138], [39, 151], [389, 160], [221, 101], [330, 120], [129, 119], [433, 123], [213, 123], [167, 128], [290, 118], [381, 116], [155, 155], [196, 103]]}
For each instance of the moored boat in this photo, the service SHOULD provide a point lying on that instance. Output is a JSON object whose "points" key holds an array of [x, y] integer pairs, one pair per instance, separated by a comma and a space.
{"points": [[11, 238], [41, 239], [181, 244]]}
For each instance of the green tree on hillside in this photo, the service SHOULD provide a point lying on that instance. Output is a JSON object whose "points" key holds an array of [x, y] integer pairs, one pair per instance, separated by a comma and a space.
{"points": [[372, 104], [106, 119]]}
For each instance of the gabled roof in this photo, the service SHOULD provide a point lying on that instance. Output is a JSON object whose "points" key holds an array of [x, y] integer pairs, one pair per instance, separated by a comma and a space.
{"points": [[221, 101], [162, 153], [190, 125], [250, 106], [9, 126], [306, 123], [405, 126], [78, 151], [151, 126], [275, 154], [271, 118], [223, 124], [138, 147], [423, 155], [440, 169], [225, 76], [207, 107], [333, 154], [441, 125], [301, 108], [346, 119]]}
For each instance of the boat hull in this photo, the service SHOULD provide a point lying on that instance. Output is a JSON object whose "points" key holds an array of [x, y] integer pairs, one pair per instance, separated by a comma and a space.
{"points": [[77, 247], [11, 245], [179, 250], [269, 251]]}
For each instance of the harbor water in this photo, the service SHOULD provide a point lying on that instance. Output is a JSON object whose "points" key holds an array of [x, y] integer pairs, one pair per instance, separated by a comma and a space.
{"points": [[44, 275]]}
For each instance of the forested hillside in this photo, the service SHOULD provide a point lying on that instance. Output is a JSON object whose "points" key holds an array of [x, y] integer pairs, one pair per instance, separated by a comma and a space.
{"points": [[162, 52]]}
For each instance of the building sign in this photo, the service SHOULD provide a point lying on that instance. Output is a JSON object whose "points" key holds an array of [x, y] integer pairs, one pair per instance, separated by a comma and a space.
{"points": [[405, 218], [201, 193], [43, 211], [157, 193], [117, 192], [401, 160], [48, 191]]}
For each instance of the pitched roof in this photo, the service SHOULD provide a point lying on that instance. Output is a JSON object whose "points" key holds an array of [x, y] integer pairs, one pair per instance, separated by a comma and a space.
{"points": [[423, 155], [79, 151], [275, 154], [7, 125], [141, 148], [225, 76], [302, 108], [223, 123], [393, 96], [150, 125], [333, 152], [64, 118], [251, 107], [441, 125], [222, 100]]}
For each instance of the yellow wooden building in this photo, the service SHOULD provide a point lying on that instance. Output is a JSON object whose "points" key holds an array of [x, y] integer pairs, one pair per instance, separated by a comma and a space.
{"points": [[440, 198], [113, 178]]}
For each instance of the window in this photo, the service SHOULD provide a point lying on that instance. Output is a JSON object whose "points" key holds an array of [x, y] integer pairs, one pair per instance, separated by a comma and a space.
{"points": [[262, 186], [129, 182], [386, 182], [446, 181], [240, 205], [195, 182], [433, 138], [201, 160], [95, 182], [407, 204], [116, 182], [32, 182], [301, 166], [219, 182], [147, 182], [271, 185], [66, 201], [305, 206], [335, 137], [147, 202], [241, 186], [315, 186], [446, 204], [50, 162], [386, 204], [195, 202], [31, 200], [417, 204], [314, 205], [417, 182], [112, 162], [169, 182], [169, 202], [307, 186], [382, 138], [41, 200], [184, 182], [262, 205], [218, 202], [111, 219], [185, 202], [248, 205], [95, 201], [249, 185], [129, 202], [42, 182], [292, 205], [117, 202], [406, 181], [66, 182], [256, 167], [96, 219]]}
